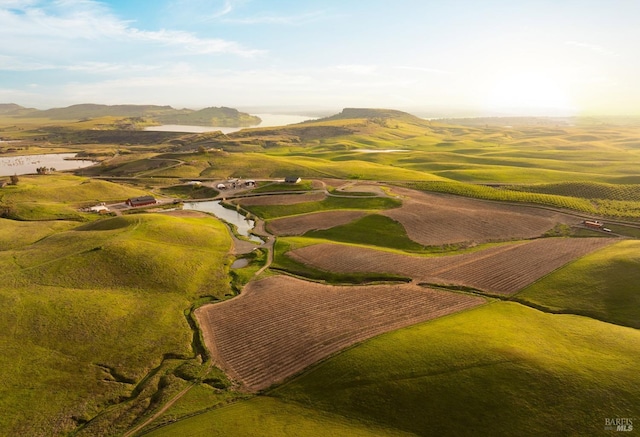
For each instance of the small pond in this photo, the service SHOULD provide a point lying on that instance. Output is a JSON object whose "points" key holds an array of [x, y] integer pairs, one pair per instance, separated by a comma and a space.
{"points": [[239, 263], [27, 164], [243, 224]]}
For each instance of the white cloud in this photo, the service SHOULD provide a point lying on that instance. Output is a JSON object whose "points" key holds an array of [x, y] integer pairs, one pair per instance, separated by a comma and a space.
{"points": [[192, 43], [32, 28], [592, 47], [226, 9]]}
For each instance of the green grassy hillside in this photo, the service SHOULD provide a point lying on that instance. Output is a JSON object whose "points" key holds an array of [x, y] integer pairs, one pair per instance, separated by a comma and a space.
{"points": [[55, 197], [89, 312], [330, 203], [603, 285], [496, 370], [373, 229], [270, 417], [14, 234]]}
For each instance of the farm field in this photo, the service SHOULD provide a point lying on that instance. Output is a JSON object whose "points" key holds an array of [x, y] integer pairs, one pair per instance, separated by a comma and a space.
{"points": [[294, 323], [435, 219], [511, 367], [503, 269]]}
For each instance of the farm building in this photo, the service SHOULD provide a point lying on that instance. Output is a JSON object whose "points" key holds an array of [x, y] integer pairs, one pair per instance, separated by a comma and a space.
{"points": [[250, 183], [141, 201], [194, 183], [292, 179], [100, 209], [221, 187]]}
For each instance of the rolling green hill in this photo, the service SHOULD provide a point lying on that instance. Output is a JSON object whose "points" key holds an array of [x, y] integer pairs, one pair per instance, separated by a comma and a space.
{"points": [[496, 370], [94, 319], [52, 197]]}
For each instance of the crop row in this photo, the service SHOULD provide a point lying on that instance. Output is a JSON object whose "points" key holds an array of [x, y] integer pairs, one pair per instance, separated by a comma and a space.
{"points": [[584, 190], [604, 207], [501, 269], [280, 325]]}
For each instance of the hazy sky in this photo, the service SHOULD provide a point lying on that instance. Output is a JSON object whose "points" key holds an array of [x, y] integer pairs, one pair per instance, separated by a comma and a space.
{"points": [[469, 56]]}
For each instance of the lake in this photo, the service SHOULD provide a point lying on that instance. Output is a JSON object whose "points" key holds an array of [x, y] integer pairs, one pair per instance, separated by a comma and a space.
{"points": [[268, 120], [27, 164], [243, 224]]}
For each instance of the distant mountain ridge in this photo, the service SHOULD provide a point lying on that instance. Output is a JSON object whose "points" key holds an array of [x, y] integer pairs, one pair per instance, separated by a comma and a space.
{"points": [[212, 116], [372, 113], [12, 108]]}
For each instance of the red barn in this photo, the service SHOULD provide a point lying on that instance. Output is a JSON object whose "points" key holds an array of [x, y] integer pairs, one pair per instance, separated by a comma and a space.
{"points": [[141, 201]]}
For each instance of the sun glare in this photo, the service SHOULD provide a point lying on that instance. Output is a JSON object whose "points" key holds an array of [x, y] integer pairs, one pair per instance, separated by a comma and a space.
{"points": [[530, 93]]}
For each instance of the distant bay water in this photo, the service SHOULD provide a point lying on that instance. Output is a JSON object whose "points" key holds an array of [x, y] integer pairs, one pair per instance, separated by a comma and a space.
{"points": [[268, 120]]}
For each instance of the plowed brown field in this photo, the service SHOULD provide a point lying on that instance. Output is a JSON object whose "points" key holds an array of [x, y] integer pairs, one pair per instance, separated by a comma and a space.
{"points": [[298, 225], [503, 269], [435, 219], [281, 199], [279, 326]]}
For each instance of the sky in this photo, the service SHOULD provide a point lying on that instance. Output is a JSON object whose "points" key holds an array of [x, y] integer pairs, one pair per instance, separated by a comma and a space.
{"points": [[435, 57]]}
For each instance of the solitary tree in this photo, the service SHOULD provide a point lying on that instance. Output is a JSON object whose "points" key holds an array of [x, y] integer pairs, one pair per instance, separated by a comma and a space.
{"points": [[14, 179]]}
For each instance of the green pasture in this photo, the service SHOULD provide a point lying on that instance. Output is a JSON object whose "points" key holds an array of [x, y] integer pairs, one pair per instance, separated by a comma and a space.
{"points": [[603, 285], [330, 203], [268, 187], [281, 162], [91, 310], [270, 417], [488, 371], [15, 234], [189, 191], [373, 229]]}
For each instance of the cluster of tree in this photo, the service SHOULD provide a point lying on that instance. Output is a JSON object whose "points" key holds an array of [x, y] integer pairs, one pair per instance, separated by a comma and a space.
{"points": [[45, 170]]}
